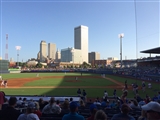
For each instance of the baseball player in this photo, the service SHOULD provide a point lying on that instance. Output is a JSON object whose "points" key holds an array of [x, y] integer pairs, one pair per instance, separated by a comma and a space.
{"points": [[0, 77], [2, 83], [76, 78], [5, 83], [143, 86], [37, 75]]}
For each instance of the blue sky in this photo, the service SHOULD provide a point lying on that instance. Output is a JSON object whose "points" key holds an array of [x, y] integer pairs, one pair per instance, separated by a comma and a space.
{"points": [[28, 22]]}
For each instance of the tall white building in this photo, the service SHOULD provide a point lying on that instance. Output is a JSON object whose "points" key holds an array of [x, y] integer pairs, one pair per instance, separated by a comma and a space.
{"points": [[81, 41], [52, 51], [43, 51]]}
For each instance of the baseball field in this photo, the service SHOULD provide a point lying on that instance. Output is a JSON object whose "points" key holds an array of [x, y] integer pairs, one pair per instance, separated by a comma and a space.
{"points": [[64, 84]]}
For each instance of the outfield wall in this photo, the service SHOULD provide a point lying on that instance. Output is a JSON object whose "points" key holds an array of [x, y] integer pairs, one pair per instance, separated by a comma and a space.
{"points": [[4, 65], [62, 71]]}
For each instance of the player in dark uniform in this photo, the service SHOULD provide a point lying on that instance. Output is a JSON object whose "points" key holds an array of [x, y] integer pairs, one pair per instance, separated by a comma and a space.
{"points": [[5, 83], [79, 92], [143, 86], [126, 86], [114, 93]]}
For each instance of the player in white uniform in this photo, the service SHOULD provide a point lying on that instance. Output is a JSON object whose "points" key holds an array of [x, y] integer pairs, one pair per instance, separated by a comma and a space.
{"points": [[0, 77], [2, 83], [76, 78], [37, 75]]}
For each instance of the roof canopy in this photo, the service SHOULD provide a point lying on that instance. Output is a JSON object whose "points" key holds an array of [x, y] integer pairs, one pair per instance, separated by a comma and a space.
{"points": [[153, 51]]}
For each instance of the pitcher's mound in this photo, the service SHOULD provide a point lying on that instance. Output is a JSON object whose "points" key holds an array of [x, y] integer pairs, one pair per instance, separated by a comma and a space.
{"points": [[73, 81]]}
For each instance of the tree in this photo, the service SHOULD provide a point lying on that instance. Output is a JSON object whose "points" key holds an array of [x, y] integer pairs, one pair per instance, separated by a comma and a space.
{"points": [[39, 65], [68, 66], [96, 66]]}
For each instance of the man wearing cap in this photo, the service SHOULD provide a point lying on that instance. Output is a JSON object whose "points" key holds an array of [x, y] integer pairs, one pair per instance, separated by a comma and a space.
{"points": [[153, 110], [124, 115], [73, 115], [93, 110], [29, 115]]}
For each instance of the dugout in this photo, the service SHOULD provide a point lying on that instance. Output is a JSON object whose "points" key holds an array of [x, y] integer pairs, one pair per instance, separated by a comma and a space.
{"points": [[4, 66]]}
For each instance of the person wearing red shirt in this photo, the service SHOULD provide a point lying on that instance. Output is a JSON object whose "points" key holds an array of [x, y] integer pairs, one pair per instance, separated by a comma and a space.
{"points": [[2, 98], [93, 110]]}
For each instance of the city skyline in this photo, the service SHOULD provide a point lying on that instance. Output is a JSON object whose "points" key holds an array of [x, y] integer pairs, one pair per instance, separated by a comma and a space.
{"points": [[26, 24]]}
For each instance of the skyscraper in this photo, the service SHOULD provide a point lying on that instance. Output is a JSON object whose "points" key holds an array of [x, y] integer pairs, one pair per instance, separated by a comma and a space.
{"points": [[52, 51], [43, 51], [58, 56], [81, 41], [38, 55], [93, 56]]}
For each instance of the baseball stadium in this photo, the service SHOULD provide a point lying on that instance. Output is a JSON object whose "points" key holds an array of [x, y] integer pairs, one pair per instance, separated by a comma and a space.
{"points": [[112, 86]]}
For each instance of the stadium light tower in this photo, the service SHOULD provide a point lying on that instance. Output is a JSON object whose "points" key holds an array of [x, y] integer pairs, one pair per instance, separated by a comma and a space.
{"points": [[121, 36], [18, 48]]}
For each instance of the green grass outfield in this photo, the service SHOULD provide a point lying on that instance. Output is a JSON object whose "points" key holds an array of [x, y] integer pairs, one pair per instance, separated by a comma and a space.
{"points": [[91, 92]]}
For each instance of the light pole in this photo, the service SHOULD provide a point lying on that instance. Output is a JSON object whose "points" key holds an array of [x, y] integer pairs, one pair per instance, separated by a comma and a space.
{"points": [[121, 36], [18, 49]]}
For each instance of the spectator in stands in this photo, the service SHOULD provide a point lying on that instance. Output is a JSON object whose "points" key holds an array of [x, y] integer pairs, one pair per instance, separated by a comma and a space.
{"points": [[158, 95], [42, 103], [147, 100], [152, 110], [25, 104], [65, 107], [70, 100], [81, 104], [100, 115], [138, 98], [2, 98], [124, 97], [134, 105], [73, 115], [143, 115], [108, 105], [118, 105], [96, 102], [113, 104], [124, 115], [37, 111], [5, 104], [103, 103], [19, 102], [29, 115], [98, 99], [58, 103], [10, 113], [155, 98], [93, 110], [51, 108]]}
